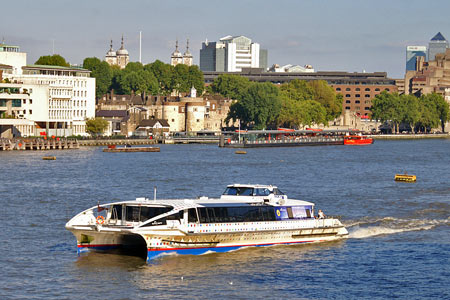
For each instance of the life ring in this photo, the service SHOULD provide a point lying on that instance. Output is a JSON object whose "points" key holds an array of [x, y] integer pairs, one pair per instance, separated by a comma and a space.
{"points": [[100, 220]]}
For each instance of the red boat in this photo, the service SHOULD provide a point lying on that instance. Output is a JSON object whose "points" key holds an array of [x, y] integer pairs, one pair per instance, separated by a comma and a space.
{"points": [[357, 140]]}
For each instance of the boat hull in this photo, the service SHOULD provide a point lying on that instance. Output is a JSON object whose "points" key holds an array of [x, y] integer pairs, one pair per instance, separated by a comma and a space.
{"points": [[367, 141]]}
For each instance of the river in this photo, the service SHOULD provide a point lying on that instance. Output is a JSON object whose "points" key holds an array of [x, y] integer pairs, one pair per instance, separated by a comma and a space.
{"points": [[399, 243]]}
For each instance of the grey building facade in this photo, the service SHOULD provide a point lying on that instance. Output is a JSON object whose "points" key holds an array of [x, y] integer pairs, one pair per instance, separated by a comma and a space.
{"points": [[438, 44]]}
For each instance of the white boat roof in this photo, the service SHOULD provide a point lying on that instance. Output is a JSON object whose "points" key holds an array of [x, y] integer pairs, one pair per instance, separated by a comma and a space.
{"points": [[180, 204]]}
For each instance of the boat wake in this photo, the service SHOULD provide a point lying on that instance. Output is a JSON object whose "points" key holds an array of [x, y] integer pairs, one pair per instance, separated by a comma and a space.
{"points": [[388, 225]]}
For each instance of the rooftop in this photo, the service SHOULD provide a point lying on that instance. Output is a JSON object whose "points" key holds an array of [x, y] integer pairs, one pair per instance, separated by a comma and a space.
{"points": [[439, 37]]}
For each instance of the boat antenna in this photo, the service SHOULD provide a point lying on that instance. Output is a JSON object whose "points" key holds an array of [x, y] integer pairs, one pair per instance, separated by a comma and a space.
{"points": [[154, 193]]}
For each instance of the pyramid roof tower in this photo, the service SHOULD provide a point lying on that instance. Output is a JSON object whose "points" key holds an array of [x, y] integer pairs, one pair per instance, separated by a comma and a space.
{"points": [[439, 37]]}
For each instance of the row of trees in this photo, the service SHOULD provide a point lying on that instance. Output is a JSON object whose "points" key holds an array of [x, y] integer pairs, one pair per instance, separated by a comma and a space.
{"points": [[154, 78], [295, 104], [420, 113]]}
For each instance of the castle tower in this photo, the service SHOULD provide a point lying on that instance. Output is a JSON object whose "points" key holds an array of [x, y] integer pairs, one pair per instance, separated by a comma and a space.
{"points": [[123, 57], [111, 57], [176, 57], [187, 56]]}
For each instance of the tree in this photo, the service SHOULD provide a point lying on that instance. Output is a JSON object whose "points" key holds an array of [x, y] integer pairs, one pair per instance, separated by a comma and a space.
{"points": [[259, 106], [52, 60], [163, 74], [180, 79], [325, 95], [384, 107], [442, 108], [102, 73], [231, 86], [298, 90], [96, 126], [138, 82], [195, 79]]}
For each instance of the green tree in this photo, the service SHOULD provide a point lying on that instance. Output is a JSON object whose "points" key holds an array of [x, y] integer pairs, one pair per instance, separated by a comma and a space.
{"points": [[231, 86], [259, 106], [138, 82], [52, 60], [180, 79], [325, 95], [298, 90], [442, 108], [96, 126], [195, 79], [384, 107], [102, 73], [163, 74]]}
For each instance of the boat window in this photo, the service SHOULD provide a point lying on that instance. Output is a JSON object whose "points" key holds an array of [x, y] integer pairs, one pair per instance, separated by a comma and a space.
{"points": [[238, 191], [116, 212], [176, 216], [192, 215], [262, 192], [236, 214], [144, 213], [276, 191]]}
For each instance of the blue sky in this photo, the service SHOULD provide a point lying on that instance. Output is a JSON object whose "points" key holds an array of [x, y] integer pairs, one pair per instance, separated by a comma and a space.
{"points": [[330, 35]]}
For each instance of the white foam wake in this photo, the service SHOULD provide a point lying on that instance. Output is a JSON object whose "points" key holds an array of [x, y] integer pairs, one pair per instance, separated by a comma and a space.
{"points": [[390, 225]]}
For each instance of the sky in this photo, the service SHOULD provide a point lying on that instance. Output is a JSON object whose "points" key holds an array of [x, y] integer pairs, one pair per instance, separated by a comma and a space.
{"points": [[332, 35]]}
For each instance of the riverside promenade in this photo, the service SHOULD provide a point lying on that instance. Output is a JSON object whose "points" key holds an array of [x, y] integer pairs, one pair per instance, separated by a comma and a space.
{"points": [[409, 136]]}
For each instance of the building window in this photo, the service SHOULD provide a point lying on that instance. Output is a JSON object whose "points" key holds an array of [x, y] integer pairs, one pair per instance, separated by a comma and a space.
{"points": [[358, 108], [338, 89], [173, 120], [347, 89], [198, 120], [347, 95], [347, 101], [367, 96], [367, 101], [347, 107], [357, 101], [31, 101], [357, 95], [377, 90], [387, 90], [367, 90], [357, 89], [24, 101], [367, 108], [30, 112]]}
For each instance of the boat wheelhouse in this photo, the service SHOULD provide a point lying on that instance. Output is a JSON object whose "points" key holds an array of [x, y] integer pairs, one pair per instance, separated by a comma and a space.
{"points": [[245, 215]]}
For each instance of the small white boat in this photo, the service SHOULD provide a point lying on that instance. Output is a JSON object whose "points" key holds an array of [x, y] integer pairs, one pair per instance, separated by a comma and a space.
{"points": [[245, 215]]}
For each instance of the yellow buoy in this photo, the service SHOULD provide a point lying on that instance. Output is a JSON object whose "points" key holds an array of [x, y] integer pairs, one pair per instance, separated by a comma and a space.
{"points": [[405, 177], [241, 152], [49, 158]]}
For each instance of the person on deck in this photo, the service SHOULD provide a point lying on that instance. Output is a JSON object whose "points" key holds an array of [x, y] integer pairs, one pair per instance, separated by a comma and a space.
{"points": [[320, 214]]}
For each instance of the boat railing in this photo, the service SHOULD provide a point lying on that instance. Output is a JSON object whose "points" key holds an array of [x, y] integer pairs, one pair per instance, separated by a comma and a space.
{"points": [[296, 140]]}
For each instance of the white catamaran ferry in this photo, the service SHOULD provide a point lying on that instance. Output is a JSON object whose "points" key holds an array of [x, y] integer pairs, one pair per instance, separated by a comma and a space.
{"points": [[245, 215]]}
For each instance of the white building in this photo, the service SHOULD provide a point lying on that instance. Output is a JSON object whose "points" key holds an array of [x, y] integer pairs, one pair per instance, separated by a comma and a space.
{"points": [[232, 54], [291, 69], [38, 99]]}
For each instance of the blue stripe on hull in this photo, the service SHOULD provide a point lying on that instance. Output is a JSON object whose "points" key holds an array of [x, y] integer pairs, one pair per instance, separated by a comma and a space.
{"points": [[152, 254]]}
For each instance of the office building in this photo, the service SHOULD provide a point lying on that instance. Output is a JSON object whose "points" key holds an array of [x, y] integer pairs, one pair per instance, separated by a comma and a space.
{"points": [[232, 54], [38, 99], [438, 44], [412, 52]]}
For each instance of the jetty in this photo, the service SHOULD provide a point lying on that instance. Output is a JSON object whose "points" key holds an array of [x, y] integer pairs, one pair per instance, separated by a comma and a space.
{"points": [[131, 149], [37, 144], [283, 138]]}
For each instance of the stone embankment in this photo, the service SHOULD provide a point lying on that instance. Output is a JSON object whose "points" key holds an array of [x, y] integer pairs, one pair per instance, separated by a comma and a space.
{"points": [[409, 136]]}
